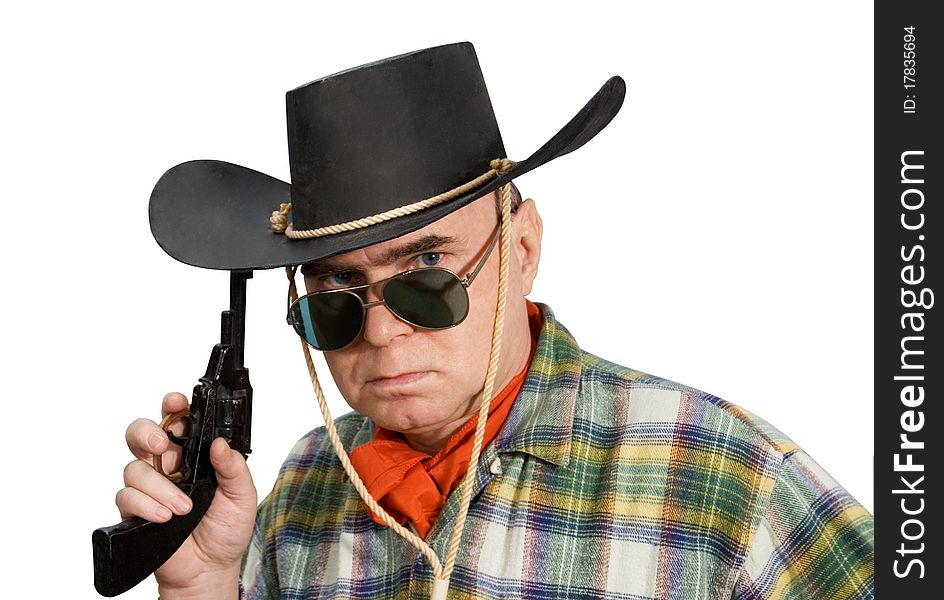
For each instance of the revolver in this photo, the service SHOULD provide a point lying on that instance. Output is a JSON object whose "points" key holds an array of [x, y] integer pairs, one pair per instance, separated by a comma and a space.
{"points": [[221, 406]]}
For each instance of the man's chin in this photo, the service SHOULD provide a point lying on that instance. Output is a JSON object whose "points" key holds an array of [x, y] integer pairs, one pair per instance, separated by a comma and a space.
{"points": [[405, 416], [401, 403]]}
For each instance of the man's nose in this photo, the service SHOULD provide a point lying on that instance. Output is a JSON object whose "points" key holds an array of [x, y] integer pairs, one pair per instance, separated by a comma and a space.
{"points": [[381, 327]]}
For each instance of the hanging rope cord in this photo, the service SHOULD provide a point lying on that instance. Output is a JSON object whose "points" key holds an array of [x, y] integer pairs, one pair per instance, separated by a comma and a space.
{"points": [[494, 355], [442, 571]]}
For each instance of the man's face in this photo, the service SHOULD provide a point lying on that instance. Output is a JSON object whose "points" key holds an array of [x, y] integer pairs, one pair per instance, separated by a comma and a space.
{"points": [[426, 383]]}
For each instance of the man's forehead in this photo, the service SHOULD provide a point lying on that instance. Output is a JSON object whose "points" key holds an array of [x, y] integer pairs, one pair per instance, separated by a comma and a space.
{"points": [[384, 253], [455, 229]]}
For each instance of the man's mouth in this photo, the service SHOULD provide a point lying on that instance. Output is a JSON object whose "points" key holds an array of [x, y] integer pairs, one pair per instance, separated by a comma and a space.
{"points": [[399, 379]]}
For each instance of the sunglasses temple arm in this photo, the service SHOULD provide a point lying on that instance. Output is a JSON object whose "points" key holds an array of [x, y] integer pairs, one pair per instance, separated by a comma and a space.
{"points": [[467, 281]]}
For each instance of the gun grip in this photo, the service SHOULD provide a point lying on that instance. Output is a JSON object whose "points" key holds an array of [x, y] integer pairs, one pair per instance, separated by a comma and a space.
{"points": [[126, 553]]}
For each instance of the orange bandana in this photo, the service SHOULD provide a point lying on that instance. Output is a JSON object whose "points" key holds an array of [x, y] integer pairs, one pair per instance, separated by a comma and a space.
{"points": [[412, 485]]}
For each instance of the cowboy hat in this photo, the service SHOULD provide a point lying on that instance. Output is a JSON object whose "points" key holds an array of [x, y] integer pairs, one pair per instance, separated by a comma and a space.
{"points": [[375, 152]]}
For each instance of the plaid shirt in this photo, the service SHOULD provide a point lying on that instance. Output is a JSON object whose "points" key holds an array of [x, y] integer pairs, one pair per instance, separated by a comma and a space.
{"points": [[604, 483]]}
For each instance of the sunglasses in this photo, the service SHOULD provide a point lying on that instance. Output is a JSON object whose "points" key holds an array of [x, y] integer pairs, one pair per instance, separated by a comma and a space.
{"points": [[429, 298]]}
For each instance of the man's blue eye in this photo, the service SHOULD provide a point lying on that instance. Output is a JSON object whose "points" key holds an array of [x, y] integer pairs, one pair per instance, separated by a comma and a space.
{"points": [[431, 259], [341, 278]]}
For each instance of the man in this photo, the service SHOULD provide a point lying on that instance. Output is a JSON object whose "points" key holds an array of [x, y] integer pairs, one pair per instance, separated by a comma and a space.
{"points": [[594, 480]]}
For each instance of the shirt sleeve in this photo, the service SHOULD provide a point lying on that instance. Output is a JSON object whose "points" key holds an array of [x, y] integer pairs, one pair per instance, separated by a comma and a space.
{"points": [[813, 540]]}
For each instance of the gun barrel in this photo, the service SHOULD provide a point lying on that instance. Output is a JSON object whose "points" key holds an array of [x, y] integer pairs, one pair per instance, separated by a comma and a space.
{"points": [[237, 304]]}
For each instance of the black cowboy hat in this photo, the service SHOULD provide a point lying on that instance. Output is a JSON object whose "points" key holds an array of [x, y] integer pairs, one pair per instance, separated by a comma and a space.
{"points": [[361, 142]]}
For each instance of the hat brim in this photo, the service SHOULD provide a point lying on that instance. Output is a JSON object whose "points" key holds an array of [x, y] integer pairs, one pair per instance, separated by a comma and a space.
{"points": [[214, 214]]}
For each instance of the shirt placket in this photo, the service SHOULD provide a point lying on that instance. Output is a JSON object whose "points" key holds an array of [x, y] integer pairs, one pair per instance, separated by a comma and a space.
{"points": [[421, 573]]}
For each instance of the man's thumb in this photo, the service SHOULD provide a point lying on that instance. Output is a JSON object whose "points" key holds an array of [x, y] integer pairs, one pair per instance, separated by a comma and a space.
{"points": [[232, 473]]}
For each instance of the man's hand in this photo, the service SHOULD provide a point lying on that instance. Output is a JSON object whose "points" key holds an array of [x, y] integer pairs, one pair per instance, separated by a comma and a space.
{"points": [[207, 564]]}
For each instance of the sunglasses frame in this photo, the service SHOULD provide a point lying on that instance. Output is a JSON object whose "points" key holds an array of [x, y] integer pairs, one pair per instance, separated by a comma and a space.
{"points": [[465, 282]]}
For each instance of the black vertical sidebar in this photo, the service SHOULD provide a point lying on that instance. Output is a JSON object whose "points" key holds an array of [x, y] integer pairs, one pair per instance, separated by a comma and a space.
{"points": [[909, 370]]}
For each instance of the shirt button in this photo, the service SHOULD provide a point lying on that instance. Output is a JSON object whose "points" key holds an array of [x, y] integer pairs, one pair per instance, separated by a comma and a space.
{"points": [[496, 467]]}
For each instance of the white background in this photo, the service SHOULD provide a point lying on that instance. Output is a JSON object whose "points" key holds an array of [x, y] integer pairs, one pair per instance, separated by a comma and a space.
{"points": [[718, 233]]}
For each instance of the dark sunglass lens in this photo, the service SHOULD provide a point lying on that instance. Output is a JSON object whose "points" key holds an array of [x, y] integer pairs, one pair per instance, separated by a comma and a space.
{"points": [[432, 298], [328, 321]]}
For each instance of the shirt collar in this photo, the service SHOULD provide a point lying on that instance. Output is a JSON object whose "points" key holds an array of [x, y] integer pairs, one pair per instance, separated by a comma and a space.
{"points": [[542, 418]]}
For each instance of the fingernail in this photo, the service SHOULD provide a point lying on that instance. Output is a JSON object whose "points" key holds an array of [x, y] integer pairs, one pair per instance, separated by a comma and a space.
{"points": [[154, 440], [162, 513], [181, 505]]}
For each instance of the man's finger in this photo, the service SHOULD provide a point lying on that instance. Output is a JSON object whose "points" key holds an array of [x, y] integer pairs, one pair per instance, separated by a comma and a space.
{"points": [[141, 476], [135, 503], [145, 438], [173, 402]]}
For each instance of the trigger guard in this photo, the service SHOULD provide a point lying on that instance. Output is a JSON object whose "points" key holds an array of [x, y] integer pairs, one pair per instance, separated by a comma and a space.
{"points": [[165, 426]]}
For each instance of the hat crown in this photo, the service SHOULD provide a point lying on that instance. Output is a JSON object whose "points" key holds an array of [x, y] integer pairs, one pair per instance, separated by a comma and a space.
{"points": [[389, 133]]}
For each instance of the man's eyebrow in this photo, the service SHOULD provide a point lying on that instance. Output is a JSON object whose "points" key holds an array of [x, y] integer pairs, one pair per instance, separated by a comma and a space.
{"points": [[427, 243], [320, 269]]}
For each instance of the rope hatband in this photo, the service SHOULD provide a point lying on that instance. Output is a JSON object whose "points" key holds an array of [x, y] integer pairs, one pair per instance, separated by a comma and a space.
{"points": [[280, 224]]}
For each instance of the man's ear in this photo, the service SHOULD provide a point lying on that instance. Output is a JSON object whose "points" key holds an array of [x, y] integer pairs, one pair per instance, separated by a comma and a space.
{"points": [[527, 230]]}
